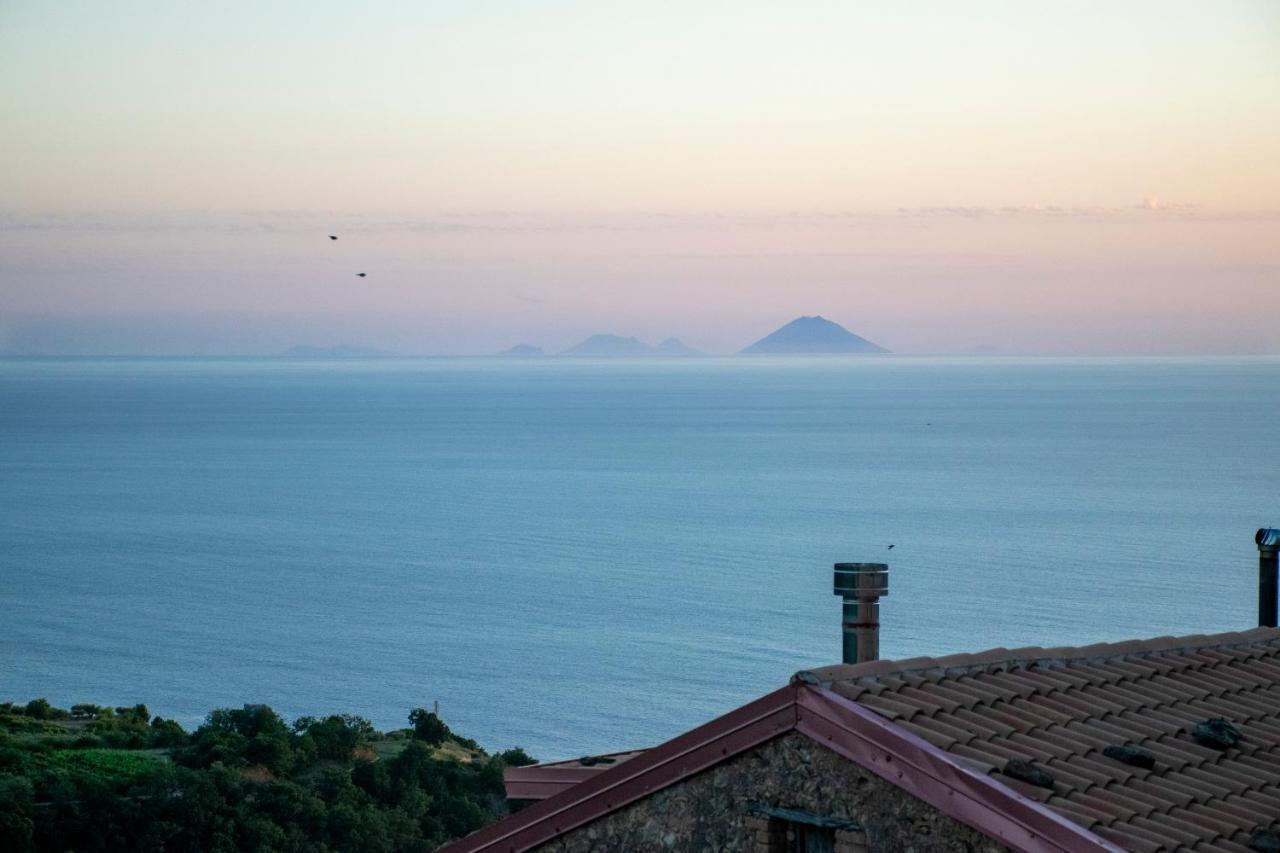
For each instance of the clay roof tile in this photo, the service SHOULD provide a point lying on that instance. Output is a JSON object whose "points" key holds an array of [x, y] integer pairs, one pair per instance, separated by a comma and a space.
{"points": [[1130, 838], [1172, 834], [945, 728], [1251, 811], [1035, 712], [956, 692], [1086, 775], [987, 722], [1212, 819], [1061, 707], [930, 734], [1221, 845], [1059, 739], [1083, 815], [888, 706], [1108, 807]]}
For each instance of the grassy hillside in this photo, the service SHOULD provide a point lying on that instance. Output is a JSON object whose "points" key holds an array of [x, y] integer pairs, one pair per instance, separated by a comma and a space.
{"points": [[93, 778]]}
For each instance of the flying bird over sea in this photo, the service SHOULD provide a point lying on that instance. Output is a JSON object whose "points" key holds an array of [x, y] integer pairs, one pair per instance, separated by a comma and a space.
{"points": [[890, 547]]}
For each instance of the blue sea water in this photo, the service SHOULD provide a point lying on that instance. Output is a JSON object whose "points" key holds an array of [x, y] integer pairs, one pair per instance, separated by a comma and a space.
{"points": [[586, 556]]}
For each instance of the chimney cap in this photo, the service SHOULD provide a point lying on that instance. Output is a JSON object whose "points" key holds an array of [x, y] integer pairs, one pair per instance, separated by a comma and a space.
{"points": [[1267, 537], [864, 581]]}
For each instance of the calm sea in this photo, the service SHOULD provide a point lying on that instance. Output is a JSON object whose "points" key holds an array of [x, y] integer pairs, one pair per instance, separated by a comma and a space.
{"points": [[578, 557]]}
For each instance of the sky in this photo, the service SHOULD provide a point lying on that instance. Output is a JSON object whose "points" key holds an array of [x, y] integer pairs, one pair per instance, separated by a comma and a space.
{"points": [[1043, 178]]}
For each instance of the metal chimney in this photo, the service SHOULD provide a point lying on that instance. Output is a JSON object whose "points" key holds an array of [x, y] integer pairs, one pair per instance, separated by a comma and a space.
{"points": [[1268, 539], [861, 585]]}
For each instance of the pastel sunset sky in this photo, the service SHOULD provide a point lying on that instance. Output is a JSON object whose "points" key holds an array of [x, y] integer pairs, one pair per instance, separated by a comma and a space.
{"points": [[1033, 177]]}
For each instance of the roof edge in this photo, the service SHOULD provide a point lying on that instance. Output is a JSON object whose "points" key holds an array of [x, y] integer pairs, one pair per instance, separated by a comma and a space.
{"points": [[830, 720], [540, 781], [563, 763], [970, 663], [936, 777], [741, 729]]}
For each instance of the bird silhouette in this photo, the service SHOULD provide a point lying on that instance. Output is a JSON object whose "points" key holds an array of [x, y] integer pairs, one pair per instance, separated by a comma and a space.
{"points": [[333, 236], [360, 274], [890, 547]]}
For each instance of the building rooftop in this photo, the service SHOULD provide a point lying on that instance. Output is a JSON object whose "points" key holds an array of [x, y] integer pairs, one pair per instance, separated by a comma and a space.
{"points": [[539, 781], [1135, 742], [1171, 745]]}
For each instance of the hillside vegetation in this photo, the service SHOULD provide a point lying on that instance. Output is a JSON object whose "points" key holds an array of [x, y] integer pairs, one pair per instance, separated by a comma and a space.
{"points": [[93, 778]]}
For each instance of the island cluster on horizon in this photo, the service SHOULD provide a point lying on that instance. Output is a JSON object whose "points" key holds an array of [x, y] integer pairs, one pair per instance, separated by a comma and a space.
{"points": [[802, 336]]}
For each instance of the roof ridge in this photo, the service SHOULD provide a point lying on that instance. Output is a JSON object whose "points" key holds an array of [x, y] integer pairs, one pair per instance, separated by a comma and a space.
{"points": [[1059, 656]]}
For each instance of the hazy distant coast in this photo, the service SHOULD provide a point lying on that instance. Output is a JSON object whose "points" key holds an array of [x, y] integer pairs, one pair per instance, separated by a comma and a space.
{"points": [[336, 351], [614, 346], [802, 336]]}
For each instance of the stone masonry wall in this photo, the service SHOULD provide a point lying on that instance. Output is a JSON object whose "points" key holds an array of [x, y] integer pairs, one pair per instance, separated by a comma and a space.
{"points": [[709, 811]]}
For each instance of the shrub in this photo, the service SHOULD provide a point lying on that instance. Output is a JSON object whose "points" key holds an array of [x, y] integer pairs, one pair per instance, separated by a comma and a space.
{"points": [[40, 709], [428, 727], [516, 757], [166, 734], [337, 736]]}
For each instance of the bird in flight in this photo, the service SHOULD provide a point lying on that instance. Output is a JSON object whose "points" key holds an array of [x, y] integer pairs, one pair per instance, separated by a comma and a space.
{"points": [[360, 275], [891, 547], [333, 236]]}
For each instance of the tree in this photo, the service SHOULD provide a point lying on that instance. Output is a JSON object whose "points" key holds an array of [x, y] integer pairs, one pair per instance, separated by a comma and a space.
{"points": [[336, 736], [137, 714], [234, 737], [428, 727], [17, 829], [40, 709], [516, 757], [205, 799], [166, 733]]}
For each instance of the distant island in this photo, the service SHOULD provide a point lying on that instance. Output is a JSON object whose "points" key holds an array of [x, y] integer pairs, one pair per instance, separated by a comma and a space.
{"points": [[522, 351], [336, 351], [802, 336], [812, 336], [616, 346], [677, 347]]}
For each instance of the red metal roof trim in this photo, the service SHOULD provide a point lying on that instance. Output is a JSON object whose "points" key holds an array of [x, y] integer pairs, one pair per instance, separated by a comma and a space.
{"points": [[929, 773], [839, 724], [540, 789], [737, 731], [540, 781]]}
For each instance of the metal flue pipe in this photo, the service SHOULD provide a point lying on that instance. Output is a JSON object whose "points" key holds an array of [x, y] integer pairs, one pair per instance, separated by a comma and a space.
{"points": [[861, 585], [1268, 541]]}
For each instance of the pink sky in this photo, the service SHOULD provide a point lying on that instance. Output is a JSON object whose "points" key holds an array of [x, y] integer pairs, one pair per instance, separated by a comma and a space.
{"points": [[1099, 178]]}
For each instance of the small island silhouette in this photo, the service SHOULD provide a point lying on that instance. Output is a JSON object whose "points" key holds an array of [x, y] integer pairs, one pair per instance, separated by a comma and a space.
{"points": [[812, 336], [336, 351], [522, 351], [615, 346]]}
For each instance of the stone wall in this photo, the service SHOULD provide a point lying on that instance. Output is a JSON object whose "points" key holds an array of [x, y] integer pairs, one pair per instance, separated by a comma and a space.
{"points": [[712, 810]]}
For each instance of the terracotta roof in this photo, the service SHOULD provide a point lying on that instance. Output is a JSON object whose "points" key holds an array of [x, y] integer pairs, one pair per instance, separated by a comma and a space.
{"points": [[1015, 743], [843, 726], [1059, 709], [539, 781]]}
